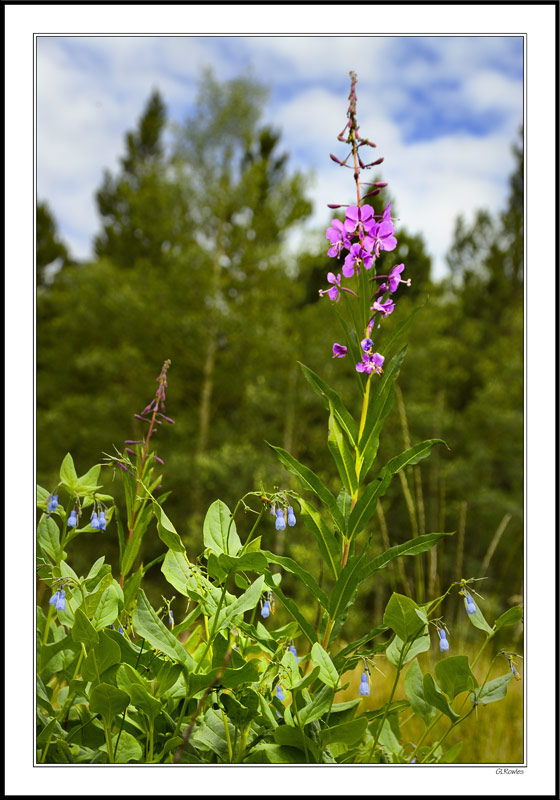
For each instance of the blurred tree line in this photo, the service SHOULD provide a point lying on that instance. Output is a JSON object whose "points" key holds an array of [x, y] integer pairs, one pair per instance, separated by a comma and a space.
{"points": [[190, 264]]}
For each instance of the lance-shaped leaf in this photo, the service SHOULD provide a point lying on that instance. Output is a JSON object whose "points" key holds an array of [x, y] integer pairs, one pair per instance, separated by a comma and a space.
{"points": [[494, 690], [83, 630], [478, 620], [329, 545], [166, 530], [346, 733], [414, 688], [454, 676], [366, 505], [219, 530], [48, 537], [311, 482], [293, 609], [244, 602], [147, 624], [355, 352], [435, 697], [342, 456], [305, 577], [68, 474], [510, 617], [327, 670], [378, 409], [332, 400], [400, 653], [344, 590], [411, 548], [401, 615]]}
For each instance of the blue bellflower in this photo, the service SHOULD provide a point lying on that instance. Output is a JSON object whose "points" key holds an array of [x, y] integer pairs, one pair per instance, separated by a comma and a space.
{"points": [[364, 685], [280, 693], [58, 600], [72, 519], [52, 503], [291, 517], [94, 522], [443, 643], [102, 521], [470, 604], [280, 521], [265, 610]]}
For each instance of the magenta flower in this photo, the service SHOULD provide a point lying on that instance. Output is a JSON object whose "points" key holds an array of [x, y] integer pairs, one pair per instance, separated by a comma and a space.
{"points": [[333, 292], [355, 254], [395, 277], [371, 362], [339, 351], [366, 345], [338, 238], [360, 218], [385, 308], [384, 233]]}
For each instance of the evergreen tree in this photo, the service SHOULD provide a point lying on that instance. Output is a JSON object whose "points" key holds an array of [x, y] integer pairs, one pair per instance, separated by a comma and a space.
{"points": [[50, 249]]}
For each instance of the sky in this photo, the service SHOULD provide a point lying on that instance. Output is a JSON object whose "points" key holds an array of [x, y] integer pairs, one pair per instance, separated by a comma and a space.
{"points": [[443, 111]]}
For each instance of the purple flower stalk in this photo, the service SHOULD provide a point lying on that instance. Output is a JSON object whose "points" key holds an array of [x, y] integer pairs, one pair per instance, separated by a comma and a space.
{"points": [[395, 278], [338, 238], [385, 308], [371, 362]]}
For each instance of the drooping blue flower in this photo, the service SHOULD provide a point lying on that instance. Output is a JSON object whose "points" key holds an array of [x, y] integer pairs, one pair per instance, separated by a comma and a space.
{"points": [[280, 521], [121, 630], [102, 521], [58, 600], [52, 503], [94, 521], [470, 604], [72, 519], [443, 643], [291, 517], [280, 693], [364, 685], [265, 610]]}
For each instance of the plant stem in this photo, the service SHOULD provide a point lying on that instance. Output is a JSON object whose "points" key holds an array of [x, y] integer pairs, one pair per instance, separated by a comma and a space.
{"points": [[228, 737], [387, 706]]}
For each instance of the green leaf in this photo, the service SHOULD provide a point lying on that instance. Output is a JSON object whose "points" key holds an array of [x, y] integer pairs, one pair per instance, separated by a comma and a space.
{"points": [[378, 409], [269, 753], [510, 617], [327, 671], [147, 624], [332, 399], [166, 530], [329, 546], [346, 733], [178, 570], [83, 630], [397, 647], [129, 748], [100, 657], [108, 701], [48, 537], [413, 686], [400, 615], [450, 755], [250, 562], [133, 544], [454, 676], [354, 349], [411, 548], [319, 706], [494, 690], [107, 609], [68, 474], [216, 527], [88, 482], [245, 602], [344, 590], [294, 737], [131, 586], [129, 680], [436, 698], [305, 577], [477, 619], [292, 607], [342, 455], [311, 482], [401, 328], [307, 680]]}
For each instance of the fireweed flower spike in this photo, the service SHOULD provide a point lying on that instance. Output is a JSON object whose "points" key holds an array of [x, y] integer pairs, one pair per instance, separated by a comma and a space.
{"points": [[364, 685], [360, 218], [395, 278], [371, 362], [291, 517], [443, 643], [385, 308], [333, 292], [339, 351], [280, 521], [338, 238]]}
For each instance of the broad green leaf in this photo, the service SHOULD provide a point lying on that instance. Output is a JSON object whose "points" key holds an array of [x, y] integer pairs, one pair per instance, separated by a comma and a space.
{"points": [[166, 678], [217, 523], [331, 398], [399, 652], [308, 580], [378, 409], [108, 701], [454, 676], [328, 544], [413, 686], [88, 482], [494, 690], [42, 496], [400, 615], [307, 680], [147, 624], [177, 570], [292, 607], [450, 755], [269, 753], [68, 474], [346, 733], [327, 671], [92, 600], [250, 562], [318, 707], [311, 482], [342, 455], [210, 733], [294, 737], [129, 748], [83, 630], [107, 609], [411, 548], [48, 537], [95, 569], [510, 617], [436, 698], [166, 530], [129, 680], [344, 590], [245, 602], [477, 619], [100, 657]]}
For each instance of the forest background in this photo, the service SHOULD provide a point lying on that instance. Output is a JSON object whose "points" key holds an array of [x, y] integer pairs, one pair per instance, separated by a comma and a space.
{"points": [[191, 265]]}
